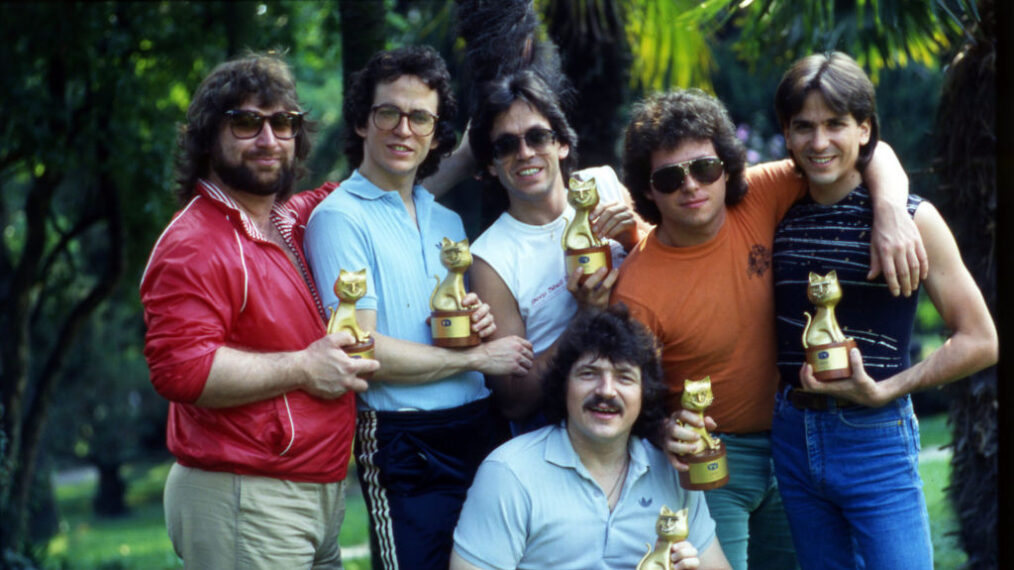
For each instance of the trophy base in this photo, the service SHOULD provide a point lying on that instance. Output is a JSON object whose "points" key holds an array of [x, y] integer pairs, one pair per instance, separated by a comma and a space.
{"points": [[589, 259], [453, 329], [361, 350], [708, 470], [830, 361]]}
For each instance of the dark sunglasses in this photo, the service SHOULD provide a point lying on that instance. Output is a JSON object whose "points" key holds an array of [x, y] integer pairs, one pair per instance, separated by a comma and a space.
{"points": [[248, 124], [671, 177], [536, 138]]}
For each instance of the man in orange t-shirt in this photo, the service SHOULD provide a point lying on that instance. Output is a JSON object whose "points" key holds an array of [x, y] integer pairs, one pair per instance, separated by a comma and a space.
{"points": [[701, 281]]}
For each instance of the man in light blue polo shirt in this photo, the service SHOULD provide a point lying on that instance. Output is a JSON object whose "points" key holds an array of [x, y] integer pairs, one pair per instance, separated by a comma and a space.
{"points": [[425, 422], [586, 491]]}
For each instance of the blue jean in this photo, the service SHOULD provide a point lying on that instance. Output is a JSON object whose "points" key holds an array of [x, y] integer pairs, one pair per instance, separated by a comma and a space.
{"points": [[850, 482], [749, 519]]}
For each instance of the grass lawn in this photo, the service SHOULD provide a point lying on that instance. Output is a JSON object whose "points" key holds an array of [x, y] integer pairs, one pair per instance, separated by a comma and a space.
{"points": [[139, 541]]}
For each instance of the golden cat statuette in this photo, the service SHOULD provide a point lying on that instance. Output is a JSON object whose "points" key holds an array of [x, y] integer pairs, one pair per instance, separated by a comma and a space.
{"points": [[349, 288], [671, 527], [450, 321], [708, 466], [827, 347], [582, 248]]}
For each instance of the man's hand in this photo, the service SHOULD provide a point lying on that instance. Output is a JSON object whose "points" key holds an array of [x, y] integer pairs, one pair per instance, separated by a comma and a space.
{"points": [[684, 556], [506, 356], [595, 290], [860, 388], [896, 248], [616, 220], [681, 440], [482, 318], [329, 372]]}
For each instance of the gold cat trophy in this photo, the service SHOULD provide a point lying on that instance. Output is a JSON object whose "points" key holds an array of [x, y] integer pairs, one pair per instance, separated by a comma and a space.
{"points": [[450, 321], [581, 247], [708, 466], [349, 287], [827, 347], [671, 527]]}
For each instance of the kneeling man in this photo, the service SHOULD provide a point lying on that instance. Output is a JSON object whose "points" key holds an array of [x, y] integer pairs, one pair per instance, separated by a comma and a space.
{"points": [[585, 491]]}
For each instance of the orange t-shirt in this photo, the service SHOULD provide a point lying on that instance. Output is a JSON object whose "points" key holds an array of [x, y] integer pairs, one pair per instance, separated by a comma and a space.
{"points": [[712, 305]]}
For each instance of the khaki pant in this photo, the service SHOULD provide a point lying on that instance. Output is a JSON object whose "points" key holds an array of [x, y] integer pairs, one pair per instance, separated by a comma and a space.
{"points": [[222, 521]]}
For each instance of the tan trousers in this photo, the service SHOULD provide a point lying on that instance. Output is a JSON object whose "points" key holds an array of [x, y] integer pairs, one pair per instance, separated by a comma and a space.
{"points": [[223, 521]]}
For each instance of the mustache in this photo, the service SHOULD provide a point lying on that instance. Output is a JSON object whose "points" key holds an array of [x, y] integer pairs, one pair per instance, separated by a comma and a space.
{"points": [[596, 400]]}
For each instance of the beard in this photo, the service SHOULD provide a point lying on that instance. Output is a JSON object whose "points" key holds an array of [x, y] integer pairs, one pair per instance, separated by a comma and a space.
{"points": [[242, 178]]}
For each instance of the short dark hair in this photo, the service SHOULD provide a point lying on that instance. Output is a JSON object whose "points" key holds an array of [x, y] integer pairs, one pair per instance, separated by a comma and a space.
{"points": [[263, 77], [614, 335], [666, 120], [422, 62], [845, 87]]}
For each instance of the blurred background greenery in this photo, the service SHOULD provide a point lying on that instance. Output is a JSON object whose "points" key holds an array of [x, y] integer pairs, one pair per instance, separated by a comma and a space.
{"points": [[93, 93]]}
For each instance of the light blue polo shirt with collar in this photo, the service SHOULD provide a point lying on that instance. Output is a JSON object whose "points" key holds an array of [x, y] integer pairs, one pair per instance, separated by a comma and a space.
{"points": [[533, 505], [359, 225]]}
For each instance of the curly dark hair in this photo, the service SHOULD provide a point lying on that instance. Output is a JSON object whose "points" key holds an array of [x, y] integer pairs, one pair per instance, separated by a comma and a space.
{"points": [[496, 97], [384, 67], [664, 121], [263, 77], [612, 334], [845, 87]]}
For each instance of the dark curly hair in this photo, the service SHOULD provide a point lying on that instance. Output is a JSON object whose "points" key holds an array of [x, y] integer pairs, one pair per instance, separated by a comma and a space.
{"points": [[845, 87], [263, 77], [496, 98], [384, 67], [664, 121], [612, 334]]}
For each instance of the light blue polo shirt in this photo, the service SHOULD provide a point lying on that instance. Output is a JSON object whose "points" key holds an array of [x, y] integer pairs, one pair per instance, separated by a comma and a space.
{"points": [[359, 225], [534, 505]]}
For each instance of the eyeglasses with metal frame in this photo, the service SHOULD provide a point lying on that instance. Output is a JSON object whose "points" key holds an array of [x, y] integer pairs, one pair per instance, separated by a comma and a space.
{"points": [[536, 138], [671, 177], [387, 117], [247, 124]]}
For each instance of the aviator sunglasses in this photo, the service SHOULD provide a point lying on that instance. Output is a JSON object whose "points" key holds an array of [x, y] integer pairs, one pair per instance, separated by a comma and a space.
{"points": [[536, 138], [247, 124], [671, 177]]}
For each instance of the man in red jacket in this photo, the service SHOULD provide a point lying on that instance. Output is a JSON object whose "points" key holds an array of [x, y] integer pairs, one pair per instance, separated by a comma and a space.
{"points": [[261, 412]]}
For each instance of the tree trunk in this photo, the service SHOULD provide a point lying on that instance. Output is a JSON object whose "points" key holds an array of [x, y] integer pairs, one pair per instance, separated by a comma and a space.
{"points": [[596, 58], [110, 501], [966, 166]]}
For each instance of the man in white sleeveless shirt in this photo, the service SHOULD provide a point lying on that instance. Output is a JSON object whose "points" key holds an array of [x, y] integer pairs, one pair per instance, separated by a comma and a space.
{"points": [[523, 145]]}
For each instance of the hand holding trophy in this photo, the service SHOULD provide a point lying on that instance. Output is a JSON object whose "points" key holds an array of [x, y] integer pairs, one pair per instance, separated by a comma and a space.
{"points": [[349, 288], [708, 466], [580, 245], [827, 347], [450, 321], [671, 527]]}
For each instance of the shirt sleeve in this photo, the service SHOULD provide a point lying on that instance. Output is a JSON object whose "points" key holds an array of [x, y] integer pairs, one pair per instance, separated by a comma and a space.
{"points": [[492, 530], [777, 184], [701, 525], [189, 301], [339, 239]]}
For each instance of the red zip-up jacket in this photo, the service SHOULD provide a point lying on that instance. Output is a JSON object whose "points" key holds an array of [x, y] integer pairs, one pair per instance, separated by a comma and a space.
{"points": [[213, 280]]}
